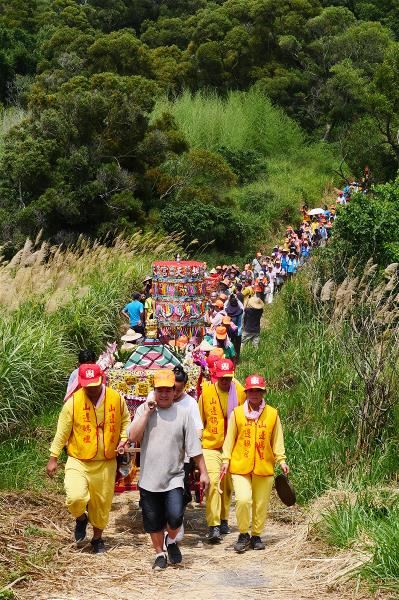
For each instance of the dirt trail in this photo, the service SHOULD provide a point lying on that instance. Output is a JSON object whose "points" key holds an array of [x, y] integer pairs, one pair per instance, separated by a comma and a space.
{"points": [[290, 568]]}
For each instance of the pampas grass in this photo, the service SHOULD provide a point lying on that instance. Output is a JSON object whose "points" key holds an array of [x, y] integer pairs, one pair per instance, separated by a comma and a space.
{"points": [[53, 302]]}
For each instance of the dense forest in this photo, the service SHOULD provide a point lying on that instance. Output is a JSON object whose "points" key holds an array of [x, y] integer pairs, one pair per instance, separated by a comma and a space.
{"points": [[104, 103]]}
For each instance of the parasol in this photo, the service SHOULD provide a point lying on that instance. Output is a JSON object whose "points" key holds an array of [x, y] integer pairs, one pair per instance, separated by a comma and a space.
{"points": [[316, 211]]}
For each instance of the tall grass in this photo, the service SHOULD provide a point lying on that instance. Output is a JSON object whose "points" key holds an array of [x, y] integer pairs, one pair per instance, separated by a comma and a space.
{"points": [[33, 357], [368, 522], [382, 570], [241, 121], [62, 301], [295, 170], [317, 391]]}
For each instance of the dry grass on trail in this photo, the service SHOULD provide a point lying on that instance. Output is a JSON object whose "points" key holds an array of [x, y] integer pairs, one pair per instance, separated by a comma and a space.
{"points": [[35, 542]]}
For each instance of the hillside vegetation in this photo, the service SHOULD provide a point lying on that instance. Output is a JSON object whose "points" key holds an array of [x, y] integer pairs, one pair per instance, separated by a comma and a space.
{"points": [[216, 119], [53, 303], [88, 80]]}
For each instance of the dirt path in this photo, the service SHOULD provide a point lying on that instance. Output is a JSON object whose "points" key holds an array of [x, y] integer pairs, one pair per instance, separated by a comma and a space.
{"points": [[290, 568]]}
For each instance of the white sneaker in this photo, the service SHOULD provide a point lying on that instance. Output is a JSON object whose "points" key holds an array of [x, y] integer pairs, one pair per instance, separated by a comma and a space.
{"points": [[180, 533]]}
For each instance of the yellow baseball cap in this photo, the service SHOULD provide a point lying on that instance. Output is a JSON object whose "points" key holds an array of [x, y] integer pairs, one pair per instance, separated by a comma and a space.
{"points": [[164, 378]]}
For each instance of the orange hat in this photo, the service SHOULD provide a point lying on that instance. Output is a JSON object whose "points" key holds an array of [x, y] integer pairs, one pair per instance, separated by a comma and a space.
{"points": [[226, 320], [224, 368], [255, 382], [218, 352], [259, 254], [221, 333], [219, 303], [164, 378]]}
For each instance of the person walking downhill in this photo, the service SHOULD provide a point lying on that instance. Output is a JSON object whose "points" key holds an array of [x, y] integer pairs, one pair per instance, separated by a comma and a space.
{"points": [[166, 432], [254, 444], [235, 310], [85, 356], [92, 425], [252, 318], [217, 402]]}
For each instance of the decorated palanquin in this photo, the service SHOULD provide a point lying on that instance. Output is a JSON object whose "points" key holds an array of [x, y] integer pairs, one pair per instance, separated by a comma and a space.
{"points": [[179, 291], [136, 380]]}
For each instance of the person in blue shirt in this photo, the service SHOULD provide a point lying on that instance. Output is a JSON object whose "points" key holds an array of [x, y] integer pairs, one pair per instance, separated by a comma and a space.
{"points": [[305, 251], [323, 234], [134, 311], [284, 260], [292, 264]]}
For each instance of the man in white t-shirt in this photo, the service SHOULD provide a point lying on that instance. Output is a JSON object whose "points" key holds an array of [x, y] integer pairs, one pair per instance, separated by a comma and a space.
{"points": [[188, 402], [166, 432]]}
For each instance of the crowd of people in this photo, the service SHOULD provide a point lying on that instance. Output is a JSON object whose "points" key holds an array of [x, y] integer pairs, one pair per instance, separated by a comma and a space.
{"points": [[232, 435]]}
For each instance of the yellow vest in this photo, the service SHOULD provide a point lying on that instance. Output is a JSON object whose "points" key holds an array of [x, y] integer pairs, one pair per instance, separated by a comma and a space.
{"points": [[83, 442], [215, 421], [253, 452]]}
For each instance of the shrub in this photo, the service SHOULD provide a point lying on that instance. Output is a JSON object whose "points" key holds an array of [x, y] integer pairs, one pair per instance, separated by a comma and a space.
{"points": [[247, 164], [206, 222]]}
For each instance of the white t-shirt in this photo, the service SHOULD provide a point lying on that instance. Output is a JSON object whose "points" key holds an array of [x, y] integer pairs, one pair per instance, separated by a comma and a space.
{"points": [[191, 404]]}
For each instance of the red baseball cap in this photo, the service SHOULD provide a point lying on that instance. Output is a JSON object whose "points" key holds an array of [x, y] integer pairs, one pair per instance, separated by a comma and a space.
{"points": [[255, 382], [224, 368], [90, 375]]}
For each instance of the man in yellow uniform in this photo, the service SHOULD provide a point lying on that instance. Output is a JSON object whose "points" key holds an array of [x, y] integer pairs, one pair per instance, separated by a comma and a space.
{"points": [[254, 444], [92, 425], [216, 403]]}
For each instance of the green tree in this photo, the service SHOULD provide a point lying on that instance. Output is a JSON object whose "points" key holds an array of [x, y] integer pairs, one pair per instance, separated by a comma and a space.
{"points": [[119, 52], [206, 223], [369, 226], [80, 160]]}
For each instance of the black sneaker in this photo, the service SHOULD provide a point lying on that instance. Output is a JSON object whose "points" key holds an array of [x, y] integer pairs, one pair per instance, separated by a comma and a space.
{"points": [[98, 546], [80, 529], [256, 543], [160, 563], [243, 543], [174, 553], [224, 527], [214, 536]]}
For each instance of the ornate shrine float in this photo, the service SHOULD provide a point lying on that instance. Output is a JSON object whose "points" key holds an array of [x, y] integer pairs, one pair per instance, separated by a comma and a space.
{"points": [[179, 292]]}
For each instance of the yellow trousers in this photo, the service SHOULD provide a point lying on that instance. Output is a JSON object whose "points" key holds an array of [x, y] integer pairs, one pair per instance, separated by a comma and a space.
{"points": [[252, 491], [217, 505], [90, 484]]}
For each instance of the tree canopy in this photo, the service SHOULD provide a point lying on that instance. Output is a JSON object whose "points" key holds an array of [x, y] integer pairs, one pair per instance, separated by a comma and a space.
{"points": [[89, 156]]}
